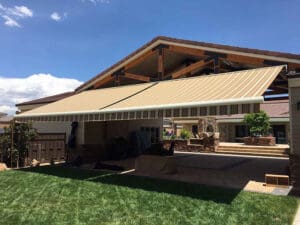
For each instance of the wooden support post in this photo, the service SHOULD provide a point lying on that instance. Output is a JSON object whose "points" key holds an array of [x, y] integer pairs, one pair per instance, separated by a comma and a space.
{"points": [[160, 65], [117, 80], [12, 142], [117, 75], [161, 69], [216, 64]]}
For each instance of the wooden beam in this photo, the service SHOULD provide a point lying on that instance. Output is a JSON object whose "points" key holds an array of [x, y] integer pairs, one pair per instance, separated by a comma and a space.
{"points": [[190, 68], [245, 59], [231, 57], [215, 54], [184, 50], [137, 77], [140, 59], [103, 81]]}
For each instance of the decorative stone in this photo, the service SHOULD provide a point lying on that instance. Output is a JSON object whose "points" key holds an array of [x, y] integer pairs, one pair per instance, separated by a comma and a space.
{"points": [[3, 167], [34, 163]]}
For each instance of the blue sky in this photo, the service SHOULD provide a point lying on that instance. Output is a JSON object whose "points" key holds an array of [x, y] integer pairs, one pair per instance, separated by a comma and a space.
{"points": [[92, 36], [79, 38]]}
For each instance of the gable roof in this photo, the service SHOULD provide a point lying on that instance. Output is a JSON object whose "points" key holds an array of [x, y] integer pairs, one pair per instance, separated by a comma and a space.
{"points": [[192, 44]]}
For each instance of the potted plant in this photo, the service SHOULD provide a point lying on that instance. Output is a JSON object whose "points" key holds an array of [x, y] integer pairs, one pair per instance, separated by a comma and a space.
{"points": [[184, 134], [259, 127]]}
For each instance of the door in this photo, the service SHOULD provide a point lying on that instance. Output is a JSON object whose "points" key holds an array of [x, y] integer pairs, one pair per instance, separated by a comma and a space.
{"points": [[279, 133]]}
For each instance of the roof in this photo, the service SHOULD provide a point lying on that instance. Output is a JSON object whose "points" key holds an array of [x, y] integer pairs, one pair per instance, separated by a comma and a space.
{"points": [[2, 114], [47, 99], [275, 109], [6, 119], [191, 43], [237, 87]]}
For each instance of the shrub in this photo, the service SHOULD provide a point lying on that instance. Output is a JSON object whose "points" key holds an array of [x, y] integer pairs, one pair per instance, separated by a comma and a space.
{"points": [[23, 133], [258, 123], [184, 134]]}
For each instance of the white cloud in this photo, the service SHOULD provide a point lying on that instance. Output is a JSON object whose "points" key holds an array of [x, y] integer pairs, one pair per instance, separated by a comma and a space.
{"points": [[55, 16], [12, 14], [58, 17], [17, 90], [10, 22], [22, 11], [96, 1]]}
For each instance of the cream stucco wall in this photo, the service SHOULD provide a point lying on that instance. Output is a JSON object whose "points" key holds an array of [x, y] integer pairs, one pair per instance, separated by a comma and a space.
{"points": [[294, 93], [98, 132]]}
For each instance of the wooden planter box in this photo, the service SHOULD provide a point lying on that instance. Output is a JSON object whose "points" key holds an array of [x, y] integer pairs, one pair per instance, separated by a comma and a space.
{"points": [[262, 141]]}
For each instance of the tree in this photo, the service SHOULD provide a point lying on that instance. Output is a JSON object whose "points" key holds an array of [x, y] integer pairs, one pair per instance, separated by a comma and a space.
{"points": [[15, 143], [258, 123]]}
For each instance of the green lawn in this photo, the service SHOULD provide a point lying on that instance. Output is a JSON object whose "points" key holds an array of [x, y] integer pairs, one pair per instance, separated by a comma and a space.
{"points": [[55, 195]]}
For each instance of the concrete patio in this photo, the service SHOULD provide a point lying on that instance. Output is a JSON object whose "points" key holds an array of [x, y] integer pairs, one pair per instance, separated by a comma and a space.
{"points": [[233, 171]]}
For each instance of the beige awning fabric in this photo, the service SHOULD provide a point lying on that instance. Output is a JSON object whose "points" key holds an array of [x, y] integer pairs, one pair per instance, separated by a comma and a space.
{"points": [[88, 101], [227, 89], [245, 86]]}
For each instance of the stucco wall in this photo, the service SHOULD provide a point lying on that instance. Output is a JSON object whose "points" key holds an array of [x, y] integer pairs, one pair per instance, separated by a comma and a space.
{"points": [[125, 127], [98, 132], [295, 120], [294, 93]]}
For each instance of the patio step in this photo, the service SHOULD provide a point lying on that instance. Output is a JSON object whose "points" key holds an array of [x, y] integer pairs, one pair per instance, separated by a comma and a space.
{"points": [[254, 150]]}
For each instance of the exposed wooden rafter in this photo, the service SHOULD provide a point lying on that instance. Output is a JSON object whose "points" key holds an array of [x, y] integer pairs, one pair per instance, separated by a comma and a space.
{"points": [[103, 81], [137, 77], [140, 59], [191, 67]]}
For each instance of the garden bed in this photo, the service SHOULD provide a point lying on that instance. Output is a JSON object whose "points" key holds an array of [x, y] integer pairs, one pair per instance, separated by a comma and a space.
{"points": [[260, 141]]}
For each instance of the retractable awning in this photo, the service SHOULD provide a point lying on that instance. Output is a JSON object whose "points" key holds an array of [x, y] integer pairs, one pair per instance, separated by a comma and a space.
{"points": [[219, 94]]}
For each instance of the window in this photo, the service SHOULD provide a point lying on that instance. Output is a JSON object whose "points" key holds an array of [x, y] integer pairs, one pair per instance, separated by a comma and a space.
{"points": [[241, 131], [279, 132]]}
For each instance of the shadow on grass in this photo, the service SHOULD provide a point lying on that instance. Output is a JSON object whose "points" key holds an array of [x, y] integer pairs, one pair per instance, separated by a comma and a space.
{"points": [[196, 191]]}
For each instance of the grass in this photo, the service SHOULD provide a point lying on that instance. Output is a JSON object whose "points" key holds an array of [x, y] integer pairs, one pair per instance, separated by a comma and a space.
{"points": [[56, 195]]}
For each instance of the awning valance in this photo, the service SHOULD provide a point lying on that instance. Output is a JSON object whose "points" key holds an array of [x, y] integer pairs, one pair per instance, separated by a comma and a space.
{"points": [[219, 94]]}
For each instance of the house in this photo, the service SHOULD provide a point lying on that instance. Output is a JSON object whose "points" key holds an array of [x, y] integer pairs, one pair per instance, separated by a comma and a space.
{"points": [[29, 105], [5, 121], [165, 78], [232, 129]]}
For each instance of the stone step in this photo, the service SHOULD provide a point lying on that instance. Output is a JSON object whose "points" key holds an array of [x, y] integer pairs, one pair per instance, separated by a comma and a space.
{"points": [[254, 153], [251, 147], [252, 150]]}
